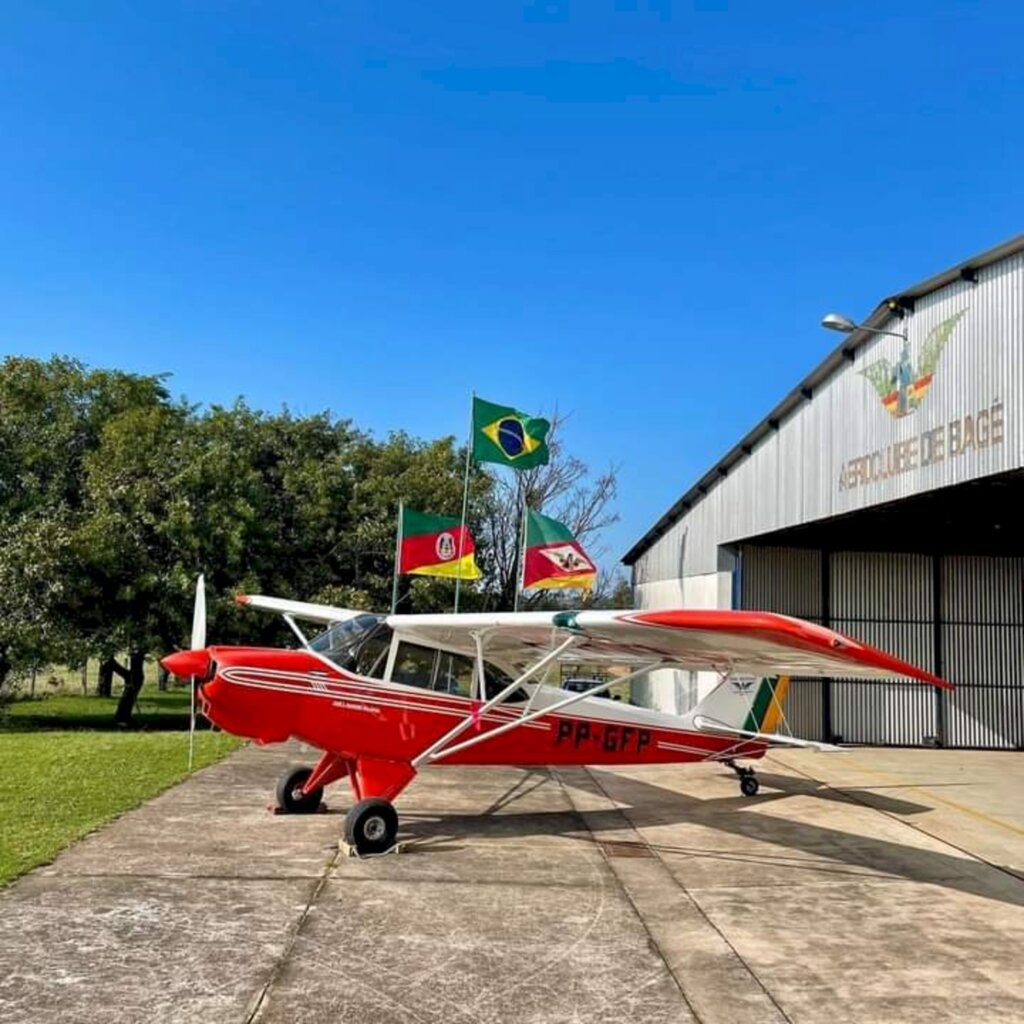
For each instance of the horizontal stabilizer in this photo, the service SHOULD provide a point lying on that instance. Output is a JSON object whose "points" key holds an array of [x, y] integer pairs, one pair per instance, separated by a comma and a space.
{"points": [[770, 738]]}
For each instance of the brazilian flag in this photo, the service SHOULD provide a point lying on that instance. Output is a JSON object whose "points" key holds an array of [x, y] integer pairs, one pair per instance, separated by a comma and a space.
{"points": [[502, 434]]}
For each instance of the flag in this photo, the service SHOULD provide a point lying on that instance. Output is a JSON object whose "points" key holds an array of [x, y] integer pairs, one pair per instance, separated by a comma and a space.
{"points": [[430, 547], [502, 434], [554, 557]]}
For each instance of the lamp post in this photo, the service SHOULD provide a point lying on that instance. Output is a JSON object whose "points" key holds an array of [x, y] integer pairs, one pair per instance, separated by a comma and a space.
{"points": [[843, 324]]}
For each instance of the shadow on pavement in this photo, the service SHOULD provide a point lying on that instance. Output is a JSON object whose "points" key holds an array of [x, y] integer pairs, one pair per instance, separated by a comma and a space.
{"points": [[818, 848]]}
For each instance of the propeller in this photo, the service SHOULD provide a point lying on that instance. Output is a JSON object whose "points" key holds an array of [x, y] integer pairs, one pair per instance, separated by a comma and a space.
{"points": [[198, 644], [199, 616]]}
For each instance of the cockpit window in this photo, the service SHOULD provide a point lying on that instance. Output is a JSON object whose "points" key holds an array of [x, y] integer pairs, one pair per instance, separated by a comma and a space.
{"points": [[454, 674], [372, 652], [445, 672], [414, 665], [341, 641]]}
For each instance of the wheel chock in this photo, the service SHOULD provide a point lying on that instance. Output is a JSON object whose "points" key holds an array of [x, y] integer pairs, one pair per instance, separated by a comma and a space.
{"points": [[351, 851], [275, 810]]}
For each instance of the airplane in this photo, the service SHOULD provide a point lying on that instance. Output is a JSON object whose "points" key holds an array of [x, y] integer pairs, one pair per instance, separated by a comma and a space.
{"points": [[382, 696]]}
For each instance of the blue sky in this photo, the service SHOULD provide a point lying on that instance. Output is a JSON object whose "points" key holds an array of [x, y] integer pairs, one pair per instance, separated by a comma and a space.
{"points": [[636, 211]]}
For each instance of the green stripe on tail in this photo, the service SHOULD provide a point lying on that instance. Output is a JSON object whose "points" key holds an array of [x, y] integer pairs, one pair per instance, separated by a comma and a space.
{"points": [[766, 708]]}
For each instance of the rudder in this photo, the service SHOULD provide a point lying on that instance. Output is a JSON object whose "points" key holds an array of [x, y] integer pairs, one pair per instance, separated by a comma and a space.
{"points": [[749, 705]]}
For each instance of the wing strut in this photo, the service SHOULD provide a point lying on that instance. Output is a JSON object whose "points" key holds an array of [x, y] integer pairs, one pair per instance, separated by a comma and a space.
{"points": [[434, 753], [430, 754]]}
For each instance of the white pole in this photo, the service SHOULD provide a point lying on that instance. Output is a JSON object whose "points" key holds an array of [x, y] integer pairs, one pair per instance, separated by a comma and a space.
{"points": [[398, 558], [191, 721], [521, 562], [465, 499]]}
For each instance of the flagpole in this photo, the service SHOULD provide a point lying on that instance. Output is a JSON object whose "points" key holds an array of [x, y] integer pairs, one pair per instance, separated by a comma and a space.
{"points": [[398, 559], [521, 559], [465, 500]]}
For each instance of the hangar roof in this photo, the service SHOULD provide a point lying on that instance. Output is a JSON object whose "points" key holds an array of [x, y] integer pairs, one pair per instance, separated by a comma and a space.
{"points": [[895, 305]]}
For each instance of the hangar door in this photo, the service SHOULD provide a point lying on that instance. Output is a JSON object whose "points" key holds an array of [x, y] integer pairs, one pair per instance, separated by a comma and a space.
{"points": [[959, 616]]}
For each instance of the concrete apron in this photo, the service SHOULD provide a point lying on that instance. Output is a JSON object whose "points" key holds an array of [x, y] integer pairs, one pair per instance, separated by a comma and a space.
{"points": [[654, 894]]}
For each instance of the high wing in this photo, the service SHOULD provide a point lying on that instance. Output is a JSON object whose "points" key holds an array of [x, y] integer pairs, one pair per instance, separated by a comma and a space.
{"points": [[739, 643], [323, 613]]}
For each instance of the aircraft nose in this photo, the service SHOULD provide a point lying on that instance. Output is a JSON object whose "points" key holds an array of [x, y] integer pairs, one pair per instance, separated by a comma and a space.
{"points": [[188, 664]]}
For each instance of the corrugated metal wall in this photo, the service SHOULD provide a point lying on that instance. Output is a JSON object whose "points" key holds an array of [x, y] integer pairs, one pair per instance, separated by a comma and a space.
{"points": [[983, 650], [976, 640], [884, 599]]}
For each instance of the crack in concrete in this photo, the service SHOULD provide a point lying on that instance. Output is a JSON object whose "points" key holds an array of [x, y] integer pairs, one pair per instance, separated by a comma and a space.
{"points": [[261, 998], [629, 899]]}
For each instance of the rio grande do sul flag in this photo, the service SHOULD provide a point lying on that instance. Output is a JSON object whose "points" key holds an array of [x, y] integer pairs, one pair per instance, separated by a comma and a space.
{"points": [[554, 558], [429, 546], [504, 435]]}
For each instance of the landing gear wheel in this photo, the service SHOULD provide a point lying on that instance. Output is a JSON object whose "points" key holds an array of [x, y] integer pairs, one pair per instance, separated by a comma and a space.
{"points": [[371, 826], [749, 785], [290, 798]]}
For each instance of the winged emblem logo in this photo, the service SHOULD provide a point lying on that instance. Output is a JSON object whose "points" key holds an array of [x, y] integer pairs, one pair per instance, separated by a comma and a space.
{"points": [[901, 388], [567, 559]]}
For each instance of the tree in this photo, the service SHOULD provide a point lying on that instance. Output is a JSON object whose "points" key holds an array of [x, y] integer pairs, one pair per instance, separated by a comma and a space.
{"points": [[127, 585], [34, 562], [51, 417], [251, 500]]}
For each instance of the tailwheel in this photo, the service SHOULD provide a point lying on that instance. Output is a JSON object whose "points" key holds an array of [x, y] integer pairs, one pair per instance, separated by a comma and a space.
{"points": [[291, 799], [371, 826], [748, 780]]}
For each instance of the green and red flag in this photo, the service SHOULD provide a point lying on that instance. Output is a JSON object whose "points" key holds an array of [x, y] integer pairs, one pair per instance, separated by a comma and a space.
{"points": [[505, 435], [554, 557], [432, 546]]}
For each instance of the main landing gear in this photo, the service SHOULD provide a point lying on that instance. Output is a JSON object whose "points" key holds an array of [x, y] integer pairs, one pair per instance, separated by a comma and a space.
{"points": [[291, 799], [371, 826], [748, 780]]}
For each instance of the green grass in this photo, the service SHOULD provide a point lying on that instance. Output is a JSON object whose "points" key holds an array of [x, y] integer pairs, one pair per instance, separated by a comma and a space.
{"points": [[66, 768], [155, 709]]}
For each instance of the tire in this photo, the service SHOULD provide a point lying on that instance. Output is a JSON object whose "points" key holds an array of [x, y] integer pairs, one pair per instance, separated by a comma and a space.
{"points": [[371, 826], [749, 785], [289, 796]]}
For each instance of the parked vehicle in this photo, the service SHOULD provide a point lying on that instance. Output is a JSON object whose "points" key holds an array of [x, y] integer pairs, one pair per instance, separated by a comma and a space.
{"points": [[583, 685]]}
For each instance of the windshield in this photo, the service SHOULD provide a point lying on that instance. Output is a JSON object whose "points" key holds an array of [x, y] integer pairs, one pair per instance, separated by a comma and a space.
{"points": [[341, 640]]}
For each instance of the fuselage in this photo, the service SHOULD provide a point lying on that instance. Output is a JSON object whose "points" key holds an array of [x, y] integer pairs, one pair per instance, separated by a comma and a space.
{"points": [[270, 695]]}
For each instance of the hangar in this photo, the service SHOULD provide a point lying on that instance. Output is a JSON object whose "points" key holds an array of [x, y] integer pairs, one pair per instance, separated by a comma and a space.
{"points": [[883, 497]]}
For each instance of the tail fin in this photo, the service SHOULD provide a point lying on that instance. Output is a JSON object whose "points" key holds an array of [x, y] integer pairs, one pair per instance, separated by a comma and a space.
{"points": [[750, 705]]}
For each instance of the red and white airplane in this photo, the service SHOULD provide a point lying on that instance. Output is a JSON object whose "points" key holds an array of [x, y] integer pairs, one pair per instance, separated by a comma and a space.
{"points": [[384, 695]]}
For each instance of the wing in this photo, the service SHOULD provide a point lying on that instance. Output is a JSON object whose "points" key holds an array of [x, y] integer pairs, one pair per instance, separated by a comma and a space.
{"points": [[932, 346], [879, 375], [735, 642], [324, 613]]}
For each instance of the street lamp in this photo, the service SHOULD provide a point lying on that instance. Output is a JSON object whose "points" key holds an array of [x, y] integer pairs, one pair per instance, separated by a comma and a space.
{"points": [[843, 324]]}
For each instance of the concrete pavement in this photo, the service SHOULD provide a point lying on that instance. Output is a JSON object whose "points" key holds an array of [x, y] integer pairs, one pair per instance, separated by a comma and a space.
{"points": [[871, 886]]}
